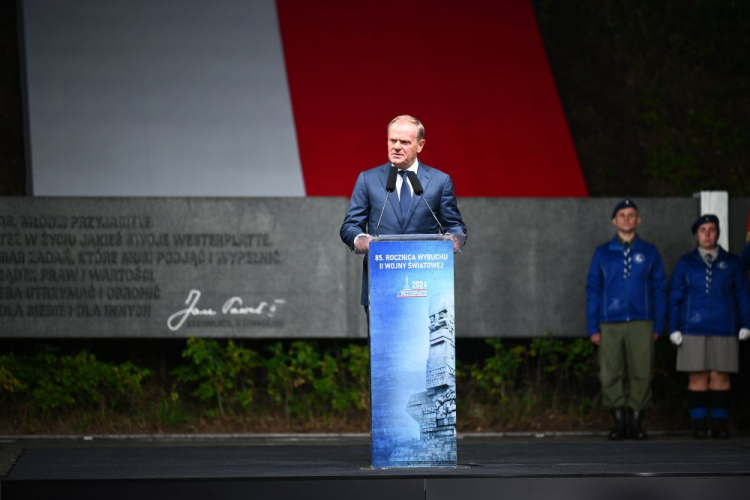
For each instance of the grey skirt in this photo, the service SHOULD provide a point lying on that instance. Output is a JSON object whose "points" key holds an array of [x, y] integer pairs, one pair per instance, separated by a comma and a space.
{"points": [[699, 353]]}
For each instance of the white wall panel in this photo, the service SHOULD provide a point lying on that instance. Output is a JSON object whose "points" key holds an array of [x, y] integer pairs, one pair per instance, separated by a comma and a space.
{"points": [[158, 98]]}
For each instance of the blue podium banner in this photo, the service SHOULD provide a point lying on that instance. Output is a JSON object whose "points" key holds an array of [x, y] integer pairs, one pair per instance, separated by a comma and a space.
{"points": [[412, 353]]}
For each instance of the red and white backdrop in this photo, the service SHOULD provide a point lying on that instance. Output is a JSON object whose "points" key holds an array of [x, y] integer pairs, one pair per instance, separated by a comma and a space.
{"points": [[288, 98]]}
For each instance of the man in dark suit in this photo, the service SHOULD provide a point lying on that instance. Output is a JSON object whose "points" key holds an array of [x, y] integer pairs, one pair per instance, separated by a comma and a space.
{"points": [[405, 213]]}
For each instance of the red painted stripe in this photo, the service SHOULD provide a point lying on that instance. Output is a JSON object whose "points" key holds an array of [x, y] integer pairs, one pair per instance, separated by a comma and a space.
{"points": [[475, 73]]}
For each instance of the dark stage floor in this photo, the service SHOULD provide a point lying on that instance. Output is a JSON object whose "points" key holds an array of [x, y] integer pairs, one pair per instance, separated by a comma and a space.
{"points": [[489, 468]]}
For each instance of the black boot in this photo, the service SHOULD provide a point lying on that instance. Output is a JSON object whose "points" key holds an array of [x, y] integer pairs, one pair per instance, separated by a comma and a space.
{"points": [[620, 431], [720, 402], [699, 428], [720, 429], [636, 425]]}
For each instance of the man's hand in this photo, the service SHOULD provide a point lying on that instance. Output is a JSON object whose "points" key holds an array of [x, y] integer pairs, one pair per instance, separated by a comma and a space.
{"points": [[596, 338], [457, 239], [362, 243], [676, 337], [744, 334]]}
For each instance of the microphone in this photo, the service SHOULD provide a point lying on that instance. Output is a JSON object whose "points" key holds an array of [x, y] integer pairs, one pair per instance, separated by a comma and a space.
{"points": [[390, 186], [415, 184], [419, 191]]}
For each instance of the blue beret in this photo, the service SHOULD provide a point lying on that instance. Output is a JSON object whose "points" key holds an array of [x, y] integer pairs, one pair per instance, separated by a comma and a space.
{"points": [[626, 203], [703, 219]]}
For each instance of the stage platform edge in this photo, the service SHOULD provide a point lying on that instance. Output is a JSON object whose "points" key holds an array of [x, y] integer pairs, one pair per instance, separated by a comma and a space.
{"points": [[628, 470]]}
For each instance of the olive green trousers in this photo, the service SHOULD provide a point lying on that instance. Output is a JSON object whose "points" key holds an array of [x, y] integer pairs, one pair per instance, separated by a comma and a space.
{"points": [[626, 352]]}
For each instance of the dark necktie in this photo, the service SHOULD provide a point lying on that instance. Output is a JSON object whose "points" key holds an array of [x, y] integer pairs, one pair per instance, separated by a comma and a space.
{"points": [[405, 194], [709, 271]]}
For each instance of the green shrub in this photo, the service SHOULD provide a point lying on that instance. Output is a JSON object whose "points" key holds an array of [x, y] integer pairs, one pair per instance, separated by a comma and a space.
{"points": [[309, 383], [528, 378], [510, 383], [496, 375], [299, 378], [8, 382], [47, 381], [219, 372]]}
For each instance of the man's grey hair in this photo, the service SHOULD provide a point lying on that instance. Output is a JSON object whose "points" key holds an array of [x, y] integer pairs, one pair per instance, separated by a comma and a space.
{"points": [[410, 119]]}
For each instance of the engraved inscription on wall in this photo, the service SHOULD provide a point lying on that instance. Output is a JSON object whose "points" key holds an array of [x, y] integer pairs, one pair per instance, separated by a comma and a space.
{"points": [[173, 272]]}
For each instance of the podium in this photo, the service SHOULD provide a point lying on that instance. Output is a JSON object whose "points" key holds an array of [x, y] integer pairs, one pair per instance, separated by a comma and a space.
{"points": [[412, 351]]}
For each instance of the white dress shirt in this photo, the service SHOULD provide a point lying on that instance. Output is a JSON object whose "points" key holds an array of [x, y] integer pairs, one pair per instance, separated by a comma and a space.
{"points": [[414, 168]]}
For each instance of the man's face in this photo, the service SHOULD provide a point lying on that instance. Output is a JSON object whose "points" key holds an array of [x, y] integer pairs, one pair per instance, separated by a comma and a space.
{"points": [[403, 146], [707, 235], [626, 220]]}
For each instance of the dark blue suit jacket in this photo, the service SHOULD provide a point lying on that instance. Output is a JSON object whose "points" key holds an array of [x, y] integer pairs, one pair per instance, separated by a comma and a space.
{"points": [[368, 198]]}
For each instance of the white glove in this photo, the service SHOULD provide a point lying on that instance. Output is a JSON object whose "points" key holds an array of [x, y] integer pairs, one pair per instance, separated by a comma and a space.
{"points": [[744, 334], [676, 337]]}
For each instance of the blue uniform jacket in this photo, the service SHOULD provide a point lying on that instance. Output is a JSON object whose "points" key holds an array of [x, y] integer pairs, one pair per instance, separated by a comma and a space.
{"points": [[698, 309], [369, 196], [611, 298]]}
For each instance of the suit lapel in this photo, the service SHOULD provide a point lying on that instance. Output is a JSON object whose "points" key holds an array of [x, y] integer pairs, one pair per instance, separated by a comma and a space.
{"points": [[423, 173], [383, 175]]}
